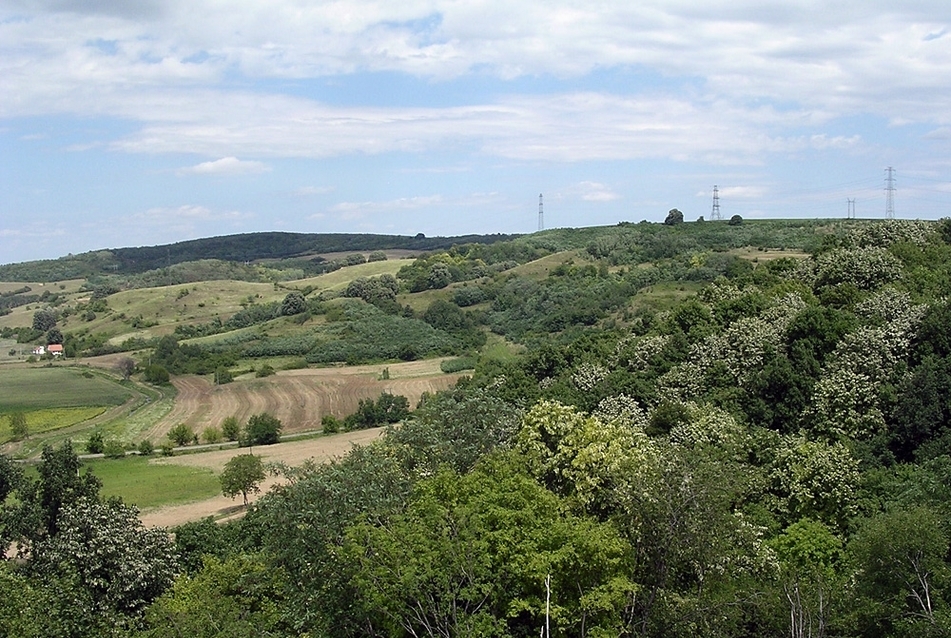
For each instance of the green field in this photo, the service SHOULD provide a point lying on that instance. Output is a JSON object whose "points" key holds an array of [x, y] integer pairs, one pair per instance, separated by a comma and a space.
{"points": [[28, 389], [46, 420], [138, 481]]}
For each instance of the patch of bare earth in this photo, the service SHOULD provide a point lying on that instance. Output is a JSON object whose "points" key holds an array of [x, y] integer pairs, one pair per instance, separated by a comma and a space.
{"points": [[291, 453], [299, 398]]}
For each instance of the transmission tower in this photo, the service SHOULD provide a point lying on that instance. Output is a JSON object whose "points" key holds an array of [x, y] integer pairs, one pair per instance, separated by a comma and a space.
{"points": [[889, 193], [541, 214], [715, 215], [851, 213]]}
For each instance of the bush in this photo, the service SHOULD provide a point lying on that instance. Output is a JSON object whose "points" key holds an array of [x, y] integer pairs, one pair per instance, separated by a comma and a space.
{"points": [[156, 374], [95, 444], [211, 435], [330, 424], [113, 449], [231, 428], [458, 364], [263, 429], [265, 370], [181, 435], [736, 220], [146, 448]]}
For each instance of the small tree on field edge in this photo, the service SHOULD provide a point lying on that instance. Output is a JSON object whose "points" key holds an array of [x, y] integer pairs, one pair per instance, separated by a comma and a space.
{"points": [[242, 475], [263, 429]]}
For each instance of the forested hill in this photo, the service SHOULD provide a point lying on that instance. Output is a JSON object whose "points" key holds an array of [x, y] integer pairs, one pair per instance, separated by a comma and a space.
{"points": [[243, 247]]}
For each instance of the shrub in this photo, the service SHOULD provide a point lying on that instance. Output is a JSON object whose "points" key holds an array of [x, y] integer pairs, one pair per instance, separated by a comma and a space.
{"points": [[146, 448], [263, 429], [211, 434], [265, 370], [231, 428], [113, 449], [330, 424], [458, 364], [736, 220], [181, 434], [95, 444], [156, 374]]}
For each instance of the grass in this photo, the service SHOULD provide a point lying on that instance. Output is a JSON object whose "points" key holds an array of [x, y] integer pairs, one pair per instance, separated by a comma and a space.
{"points": [[47, 420], [665, 295], [340, 278], [29, 389], [138, 481]]}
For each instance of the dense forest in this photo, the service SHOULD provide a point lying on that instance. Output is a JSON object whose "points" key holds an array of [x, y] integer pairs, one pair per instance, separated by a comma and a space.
{"points": [[765, 453], [243, 248]]}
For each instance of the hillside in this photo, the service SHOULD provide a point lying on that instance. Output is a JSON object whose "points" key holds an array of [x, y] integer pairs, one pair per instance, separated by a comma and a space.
{"points": [[637, 430]]}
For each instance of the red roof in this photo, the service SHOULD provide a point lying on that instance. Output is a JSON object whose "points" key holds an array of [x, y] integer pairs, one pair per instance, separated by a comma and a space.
{"points": [[55, 347]]}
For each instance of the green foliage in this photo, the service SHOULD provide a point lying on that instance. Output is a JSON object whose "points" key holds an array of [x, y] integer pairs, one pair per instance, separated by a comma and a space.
{"points": [[263, 429], [239, 596], [293, 304], [44, 320], [231, 428], [736, 220], [266, 370], [18, 426], [476, 554], [674, 217], [145, 448], [107, 552], [242, 475], [211, 434], [330, 424], [386, 409], [156, 374], [181, 434], [113, 449], [902, 574]]}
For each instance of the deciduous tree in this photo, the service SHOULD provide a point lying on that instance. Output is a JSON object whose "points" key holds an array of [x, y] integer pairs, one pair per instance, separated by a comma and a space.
{"points": [[242, 475]]}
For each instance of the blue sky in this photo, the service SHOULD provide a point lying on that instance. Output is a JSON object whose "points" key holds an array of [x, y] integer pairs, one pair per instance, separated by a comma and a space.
{"points": [[141, 123]]}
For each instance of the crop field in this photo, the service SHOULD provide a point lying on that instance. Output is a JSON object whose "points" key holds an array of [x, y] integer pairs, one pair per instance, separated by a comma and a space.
{"points": [[299, 398], [28, 389], [47, 420]]}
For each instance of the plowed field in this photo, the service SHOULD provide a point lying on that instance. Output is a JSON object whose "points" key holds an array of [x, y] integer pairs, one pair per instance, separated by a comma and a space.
{"points": [[299, 398]]}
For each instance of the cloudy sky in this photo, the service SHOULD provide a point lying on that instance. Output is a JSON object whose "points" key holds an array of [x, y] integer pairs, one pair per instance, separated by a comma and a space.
{"points": [[138, 123]]}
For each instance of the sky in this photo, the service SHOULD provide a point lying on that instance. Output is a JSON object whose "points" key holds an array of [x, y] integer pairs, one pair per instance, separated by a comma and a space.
{"points": [[149, 122]]}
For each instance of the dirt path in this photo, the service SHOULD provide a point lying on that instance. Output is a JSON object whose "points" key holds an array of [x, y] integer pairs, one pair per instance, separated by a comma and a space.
{"points": [[292, 453]]}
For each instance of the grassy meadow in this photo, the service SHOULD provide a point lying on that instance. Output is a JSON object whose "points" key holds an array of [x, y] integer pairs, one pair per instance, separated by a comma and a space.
{"points": [[139, 481]]}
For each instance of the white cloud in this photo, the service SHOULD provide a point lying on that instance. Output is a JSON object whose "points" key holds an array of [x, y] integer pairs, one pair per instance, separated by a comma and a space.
{"points": [[593, 192], [742, 192], [226, 166]]}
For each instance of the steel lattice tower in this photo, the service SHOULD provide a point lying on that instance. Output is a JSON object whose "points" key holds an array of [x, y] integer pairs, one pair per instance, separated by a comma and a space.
{"points": [[541, 214], [715, 215], [889, 193], [851, 213]]}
